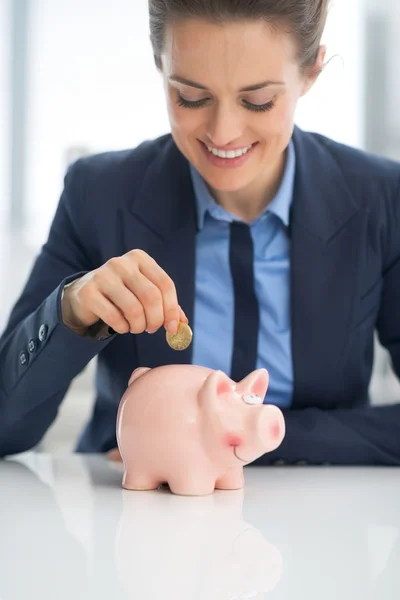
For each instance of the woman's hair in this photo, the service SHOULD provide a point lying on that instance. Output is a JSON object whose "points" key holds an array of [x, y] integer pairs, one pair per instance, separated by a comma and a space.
{"points": [[304, 19]]}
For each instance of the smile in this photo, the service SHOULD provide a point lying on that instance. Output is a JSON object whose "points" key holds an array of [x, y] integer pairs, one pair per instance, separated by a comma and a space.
{"points": [[228, 159], [238, 457], [229, 153]]}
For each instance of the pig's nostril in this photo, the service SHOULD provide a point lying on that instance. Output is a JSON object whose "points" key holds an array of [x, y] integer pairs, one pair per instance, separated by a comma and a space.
{"points": [[252, 399]]}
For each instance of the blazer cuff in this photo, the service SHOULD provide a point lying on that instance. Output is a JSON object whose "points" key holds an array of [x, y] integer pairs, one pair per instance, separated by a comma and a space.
{"points": [[42, 354], [99, 331]]}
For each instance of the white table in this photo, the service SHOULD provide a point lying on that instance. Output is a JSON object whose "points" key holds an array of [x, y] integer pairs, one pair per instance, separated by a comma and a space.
{"points": [[68, 530]]}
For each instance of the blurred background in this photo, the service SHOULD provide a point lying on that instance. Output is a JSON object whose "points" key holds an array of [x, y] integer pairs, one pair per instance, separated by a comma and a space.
{"points": [[78, 78]]}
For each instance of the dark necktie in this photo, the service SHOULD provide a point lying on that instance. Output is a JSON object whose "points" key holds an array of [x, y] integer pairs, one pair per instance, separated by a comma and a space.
{"points": [[246, 311]]}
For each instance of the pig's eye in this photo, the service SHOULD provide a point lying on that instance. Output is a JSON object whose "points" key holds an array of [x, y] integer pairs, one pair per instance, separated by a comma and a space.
{"points": [[252, 399]]}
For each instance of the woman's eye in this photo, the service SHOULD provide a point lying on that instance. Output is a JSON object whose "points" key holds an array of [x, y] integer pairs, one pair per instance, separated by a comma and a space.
{"points": [[181, 101], [259, 107]]}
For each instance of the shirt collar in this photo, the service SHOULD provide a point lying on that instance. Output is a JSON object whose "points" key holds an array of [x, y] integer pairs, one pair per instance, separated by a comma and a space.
{"points": [[280, 205]]}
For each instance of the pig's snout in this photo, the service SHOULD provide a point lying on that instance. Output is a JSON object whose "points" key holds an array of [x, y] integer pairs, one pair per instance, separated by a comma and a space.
{"points": [[271, 427]]}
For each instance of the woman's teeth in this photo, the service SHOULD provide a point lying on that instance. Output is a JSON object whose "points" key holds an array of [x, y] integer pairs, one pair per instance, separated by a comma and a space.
{"points": [[229, 153]]}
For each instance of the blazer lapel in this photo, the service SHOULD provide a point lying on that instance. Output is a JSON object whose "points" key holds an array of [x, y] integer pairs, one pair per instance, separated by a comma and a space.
{"points": [[162, 222], [326, 231]]}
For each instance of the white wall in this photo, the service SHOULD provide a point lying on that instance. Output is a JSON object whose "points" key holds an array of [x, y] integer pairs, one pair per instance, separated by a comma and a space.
{"points": [[393, 57], [335, 105], [4, 109], [94, 85]]}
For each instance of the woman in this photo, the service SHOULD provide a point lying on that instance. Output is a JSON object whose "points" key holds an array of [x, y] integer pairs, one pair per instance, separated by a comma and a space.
{"points": [[281, 248]]}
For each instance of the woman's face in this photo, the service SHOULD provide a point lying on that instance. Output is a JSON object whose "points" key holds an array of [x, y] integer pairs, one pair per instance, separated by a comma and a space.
{"points": [[231, 88]]}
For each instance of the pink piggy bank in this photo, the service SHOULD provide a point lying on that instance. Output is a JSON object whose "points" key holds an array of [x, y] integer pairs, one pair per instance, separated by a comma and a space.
{"points": [[194, 428]]}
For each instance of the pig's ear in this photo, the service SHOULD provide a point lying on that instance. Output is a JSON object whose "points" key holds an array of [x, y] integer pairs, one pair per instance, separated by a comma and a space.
{"points": [[256, 383], [137, 373], [216, 384]]}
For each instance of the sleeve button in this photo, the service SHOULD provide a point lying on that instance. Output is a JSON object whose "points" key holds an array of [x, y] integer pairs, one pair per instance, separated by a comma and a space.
{"points": [[43, 332], [23, 359], [32, 346]]}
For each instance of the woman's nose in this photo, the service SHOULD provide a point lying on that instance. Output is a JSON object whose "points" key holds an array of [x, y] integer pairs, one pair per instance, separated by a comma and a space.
{"points": [[225, 126]]}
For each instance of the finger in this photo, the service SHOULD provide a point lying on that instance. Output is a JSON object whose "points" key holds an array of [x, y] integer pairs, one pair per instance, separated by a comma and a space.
{"points": [[150, 299], [126, 302], [138, 261], [154, 273], [114, 455], [109, 314], [182, 316]]}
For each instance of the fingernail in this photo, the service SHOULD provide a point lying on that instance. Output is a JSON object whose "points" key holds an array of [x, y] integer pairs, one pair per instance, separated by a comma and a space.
{"points": [[151, 331], [172, 327], [183, 314]]}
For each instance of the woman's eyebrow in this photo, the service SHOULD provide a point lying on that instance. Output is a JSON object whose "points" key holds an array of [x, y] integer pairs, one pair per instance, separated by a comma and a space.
{"points": [[199, 86]]}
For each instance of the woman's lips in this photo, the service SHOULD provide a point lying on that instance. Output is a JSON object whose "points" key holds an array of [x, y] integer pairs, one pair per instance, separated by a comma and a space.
{"points": [[228, 163]]}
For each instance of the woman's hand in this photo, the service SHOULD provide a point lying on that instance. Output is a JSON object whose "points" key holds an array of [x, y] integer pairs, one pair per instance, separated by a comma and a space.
{"points": [[114, 455], [130, 293]]}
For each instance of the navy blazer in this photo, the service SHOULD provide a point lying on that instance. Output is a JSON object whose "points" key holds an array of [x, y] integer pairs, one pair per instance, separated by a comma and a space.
{"points": [[345, 283]]}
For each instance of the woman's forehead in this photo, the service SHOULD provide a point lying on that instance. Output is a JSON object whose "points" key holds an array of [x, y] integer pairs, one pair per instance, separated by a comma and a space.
{"points": [[242, 53]]}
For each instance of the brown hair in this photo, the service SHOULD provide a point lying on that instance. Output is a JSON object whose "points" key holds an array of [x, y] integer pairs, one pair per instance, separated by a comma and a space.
{"points": [[305, 19]]}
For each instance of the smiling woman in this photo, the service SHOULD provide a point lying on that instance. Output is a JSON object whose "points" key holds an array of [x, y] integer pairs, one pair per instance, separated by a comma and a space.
{"points": [[279, 247]]}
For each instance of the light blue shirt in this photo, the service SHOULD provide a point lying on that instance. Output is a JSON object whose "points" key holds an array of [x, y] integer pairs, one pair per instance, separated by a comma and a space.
{"points": [[214, 299]]}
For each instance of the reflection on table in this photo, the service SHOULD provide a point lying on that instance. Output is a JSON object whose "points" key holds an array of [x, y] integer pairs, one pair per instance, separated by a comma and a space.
{"points": [[68, 530]]}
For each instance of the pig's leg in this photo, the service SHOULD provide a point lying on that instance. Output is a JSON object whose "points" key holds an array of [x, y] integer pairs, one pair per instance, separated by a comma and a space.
{"points": [[191, 485], [137, 480], [232, 479]]}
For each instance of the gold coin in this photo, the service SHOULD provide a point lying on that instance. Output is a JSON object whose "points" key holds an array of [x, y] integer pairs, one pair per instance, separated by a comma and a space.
{"points": [[181, 339]]}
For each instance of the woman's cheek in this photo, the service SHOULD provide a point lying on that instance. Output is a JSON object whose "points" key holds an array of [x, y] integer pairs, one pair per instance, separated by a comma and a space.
{"points": [[284, 115], [185, 120]]}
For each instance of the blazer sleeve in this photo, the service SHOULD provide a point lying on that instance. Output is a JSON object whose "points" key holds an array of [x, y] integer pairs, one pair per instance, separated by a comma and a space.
{"points": [[365, 436], [39, 355], [361, 436]]}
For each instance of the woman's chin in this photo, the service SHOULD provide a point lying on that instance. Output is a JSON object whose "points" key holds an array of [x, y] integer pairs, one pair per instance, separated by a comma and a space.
{"points": [[225, 182]]}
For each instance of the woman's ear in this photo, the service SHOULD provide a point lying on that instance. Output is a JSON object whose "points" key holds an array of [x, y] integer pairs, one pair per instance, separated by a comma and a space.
{"points": [[314, 71]]}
